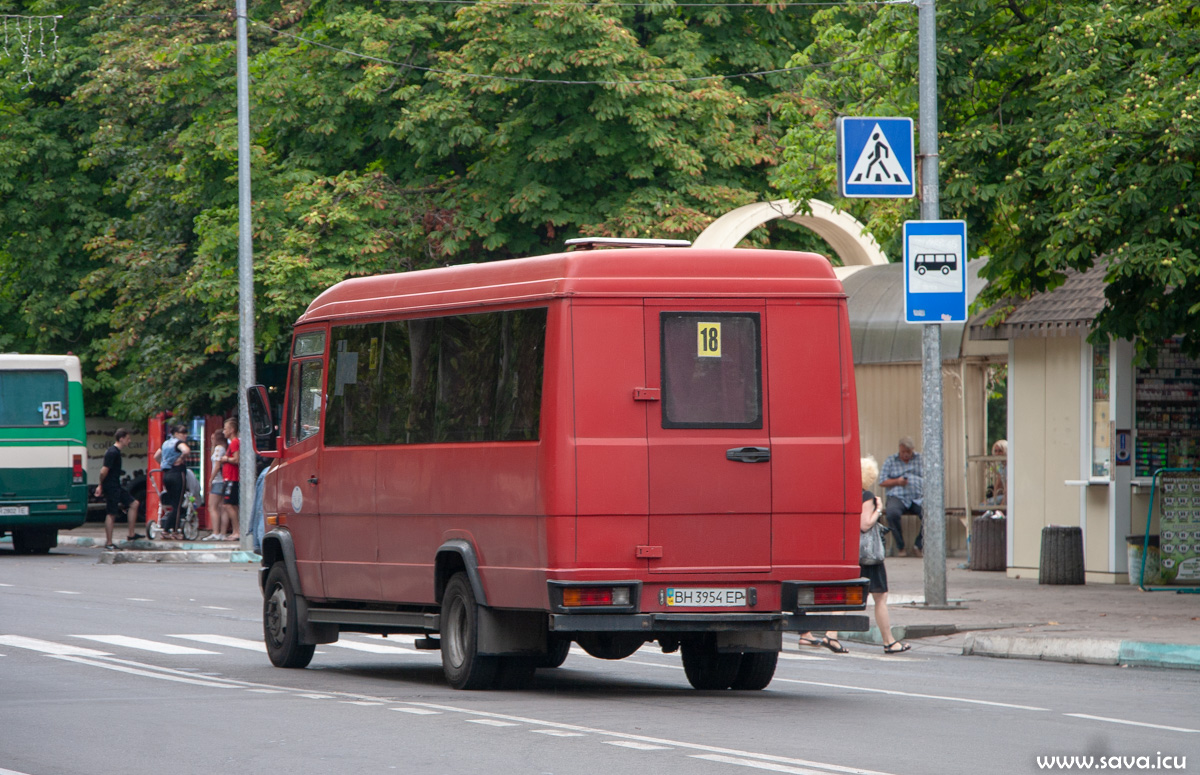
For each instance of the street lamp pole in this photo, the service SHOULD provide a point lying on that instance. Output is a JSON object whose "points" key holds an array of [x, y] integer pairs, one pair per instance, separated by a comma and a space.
{"points": [[245, 287], [933, 504]]}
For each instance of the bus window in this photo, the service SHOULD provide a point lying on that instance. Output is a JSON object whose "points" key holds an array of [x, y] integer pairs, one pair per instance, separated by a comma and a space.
{"points": [[711, 372], [31, 399], [304, 403]]}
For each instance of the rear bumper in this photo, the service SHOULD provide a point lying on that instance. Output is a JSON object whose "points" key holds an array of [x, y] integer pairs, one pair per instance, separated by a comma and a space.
{"points": [[687, 623]]}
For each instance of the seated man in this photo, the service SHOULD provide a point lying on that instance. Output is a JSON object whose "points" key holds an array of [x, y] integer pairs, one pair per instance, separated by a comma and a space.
{"points": [[900, 476]]}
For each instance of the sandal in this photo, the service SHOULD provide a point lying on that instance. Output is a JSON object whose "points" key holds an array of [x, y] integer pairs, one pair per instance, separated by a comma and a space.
{"points": [[811, 641], [110, 547], [896, 647], [834, 645]]}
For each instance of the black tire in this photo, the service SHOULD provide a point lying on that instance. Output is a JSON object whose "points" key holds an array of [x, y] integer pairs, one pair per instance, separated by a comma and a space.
{"points": [[515, 672], [281, 628], [920, 270], [756, 671], [706, 668], [34, 541], [461, 662], [556, 653]]}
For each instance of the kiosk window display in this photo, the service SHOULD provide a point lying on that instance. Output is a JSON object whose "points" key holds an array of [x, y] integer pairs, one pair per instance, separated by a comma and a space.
{"points": [[1167, 412]]}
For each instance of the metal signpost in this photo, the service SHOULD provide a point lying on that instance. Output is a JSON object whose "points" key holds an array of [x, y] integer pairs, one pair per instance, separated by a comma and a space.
{"points": [[245, 288]]}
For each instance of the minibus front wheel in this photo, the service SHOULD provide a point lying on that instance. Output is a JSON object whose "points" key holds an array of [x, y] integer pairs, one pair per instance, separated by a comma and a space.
{"points": [[281, 628], [461, 661]]}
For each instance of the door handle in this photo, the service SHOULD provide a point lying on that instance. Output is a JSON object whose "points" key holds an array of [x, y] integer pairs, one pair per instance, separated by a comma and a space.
{"points": [[749, 454], [313, 480]]}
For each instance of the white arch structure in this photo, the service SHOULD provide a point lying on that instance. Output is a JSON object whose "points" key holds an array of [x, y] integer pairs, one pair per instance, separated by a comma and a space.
{"points": [[844, 233]]}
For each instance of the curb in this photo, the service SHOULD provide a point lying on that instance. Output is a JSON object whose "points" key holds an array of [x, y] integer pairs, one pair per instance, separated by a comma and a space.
{"points": [[179, 556], [1092, 651]]}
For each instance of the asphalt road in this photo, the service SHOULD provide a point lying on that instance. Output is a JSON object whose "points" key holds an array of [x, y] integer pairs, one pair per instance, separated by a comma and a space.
{"points": [[160, 668]]}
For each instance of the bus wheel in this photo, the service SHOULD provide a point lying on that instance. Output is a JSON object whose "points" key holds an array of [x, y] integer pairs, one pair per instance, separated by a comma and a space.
{"points": [[707, 668], [281, 630], [756, 671], [945, 270], [461, 662], [556, 653], [34, 541], [920, 270]]}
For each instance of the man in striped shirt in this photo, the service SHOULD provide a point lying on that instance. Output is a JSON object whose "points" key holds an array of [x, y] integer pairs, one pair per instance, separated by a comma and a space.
{"points": [[900, 476]]}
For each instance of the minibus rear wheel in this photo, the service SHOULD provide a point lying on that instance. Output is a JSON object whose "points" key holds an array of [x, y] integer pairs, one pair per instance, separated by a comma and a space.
{"points": [[756, 671], [281, 630], [705, 667], [461, 662]]}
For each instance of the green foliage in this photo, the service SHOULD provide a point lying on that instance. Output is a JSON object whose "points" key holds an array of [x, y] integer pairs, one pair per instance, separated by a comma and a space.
{"points": [[385, 137], [1067, 140]]}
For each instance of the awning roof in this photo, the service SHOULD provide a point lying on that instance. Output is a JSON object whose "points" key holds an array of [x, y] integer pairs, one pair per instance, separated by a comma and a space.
{"points": [[1068, 310], [878, 331]]}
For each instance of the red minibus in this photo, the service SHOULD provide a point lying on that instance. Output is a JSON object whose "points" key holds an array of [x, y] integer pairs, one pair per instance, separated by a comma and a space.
{"points": [[609, 447]]}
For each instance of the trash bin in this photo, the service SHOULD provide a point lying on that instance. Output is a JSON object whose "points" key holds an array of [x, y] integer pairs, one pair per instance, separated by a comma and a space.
{"points": [[1133, 548], [1062, 555], [989, 546]]}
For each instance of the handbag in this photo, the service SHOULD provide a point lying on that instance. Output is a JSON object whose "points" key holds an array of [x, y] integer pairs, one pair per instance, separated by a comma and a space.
{"points": [[870, 546]]}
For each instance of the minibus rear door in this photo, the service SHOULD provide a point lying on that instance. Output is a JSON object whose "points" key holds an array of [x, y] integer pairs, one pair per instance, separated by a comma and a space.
{"points": [[709, 447]]}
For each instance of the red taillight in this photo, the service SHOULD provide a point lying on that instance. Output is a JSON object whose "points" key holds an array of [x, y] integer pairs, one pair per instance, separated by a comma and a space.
{"points": [[574, 597], [837, 596], [77, 469]]}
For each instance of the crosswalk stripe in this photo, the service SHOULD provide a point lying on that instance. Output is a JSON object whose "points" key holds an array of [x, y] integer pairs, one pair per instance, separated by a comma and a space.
{"points": [[225, 640], [47, 647], [144, 645], [372, 648], [635, 745]]}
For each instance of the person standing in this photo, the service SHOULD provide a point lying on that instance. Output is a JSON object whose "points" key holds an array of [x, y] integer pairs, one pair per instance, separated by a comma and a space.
{"points": [[874, 572], [116, 499], [901, 478], [232, 476], [173, 456], [216, 487]]}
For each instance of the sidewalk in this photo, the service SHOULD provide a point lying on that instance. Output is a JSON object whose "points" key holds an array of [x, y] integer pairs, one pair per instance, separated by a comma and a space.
{"points": [[144, 550], [993, 615], [989, 614]]}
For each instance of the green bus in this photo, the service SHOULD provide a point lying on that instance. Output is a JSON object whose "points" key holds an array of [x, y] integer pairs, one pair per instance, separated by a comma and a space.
{"points": [[43, 449]]}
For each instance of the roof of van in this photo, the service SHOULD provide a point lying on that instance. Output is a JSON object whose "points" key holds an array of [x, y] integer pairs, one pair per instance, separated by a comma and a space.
{"points": [[636, 273]]}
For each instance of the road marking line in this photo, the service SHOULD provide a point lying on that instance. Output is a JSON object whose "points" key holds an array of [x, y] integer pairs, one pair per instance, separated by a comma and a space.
{"points": [[5, 585], [108, 665], [712, 757], [47, 647], [1130, 723], [145, 645], [140, 599], [491, 722], [373, 648], [912, 694], [418, 711], [267, 691], [2, 770], [217, 608], [652, 740], [361, 702], [637, 746], [225, 640], [557, 733], [804, 657], [316, 696], [66, 592]]}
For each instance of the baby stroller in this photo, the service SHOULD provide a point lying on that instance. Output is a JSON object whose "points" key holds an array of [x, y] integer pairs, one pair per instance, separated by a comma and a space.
{"points": [[188, 522]]}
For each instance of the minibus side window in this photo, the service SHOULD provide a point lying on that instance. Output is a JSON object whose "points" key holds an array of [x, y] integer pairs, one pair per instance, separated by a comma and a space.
{"points": [[304, 401], [711, 370], [457, 378]]}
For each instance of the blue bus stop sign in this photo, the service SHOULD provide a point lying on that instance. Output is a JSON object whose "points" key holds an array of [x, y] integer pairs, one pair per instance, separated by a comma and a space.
{"points": [[935, 271], [875, 157]]}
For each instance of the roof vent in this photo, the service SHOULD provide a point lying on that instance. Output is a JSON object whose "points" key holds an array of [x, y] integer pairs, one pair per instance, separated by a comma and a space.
{"points": [[591, 243]]}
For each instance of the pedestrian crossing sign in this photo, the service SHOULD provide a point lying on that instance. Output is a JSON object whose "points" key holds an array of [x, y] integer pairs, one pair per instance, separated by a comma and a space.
{"points": [[875, 157]]}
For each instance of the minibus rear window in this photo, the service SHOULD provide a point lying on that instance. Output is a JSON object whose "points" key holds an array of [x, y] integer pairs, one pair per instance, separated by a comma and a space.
{"points": [[459, 378], [31, 399], [711, 370]]}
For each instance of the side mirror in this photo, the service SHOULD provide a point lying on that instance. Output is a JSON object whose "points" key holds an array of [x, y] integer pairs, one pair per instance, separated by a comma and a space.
{"points": [[262, 427]]}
